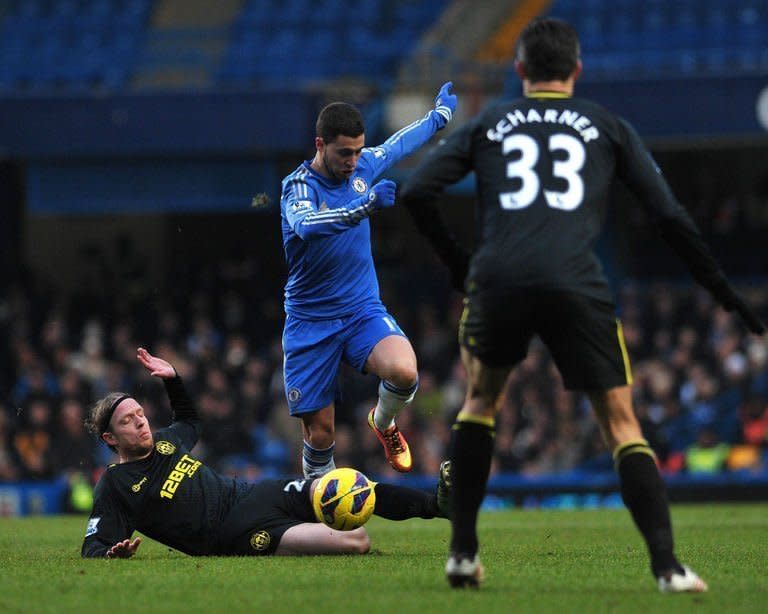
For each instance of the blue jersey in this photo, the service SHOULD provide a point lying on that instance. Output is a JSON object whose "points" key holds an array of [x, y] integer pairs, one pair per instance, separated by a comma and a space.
{"points": [[326, 232]]}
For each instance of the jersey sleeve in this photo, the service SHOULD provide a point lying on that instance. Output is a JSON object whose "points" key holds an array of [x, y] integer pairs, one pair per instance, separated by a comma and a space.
{"points": [[307, 220], [108, 524], [446, 164], [402, 143], [186, 422], [639, 171]]}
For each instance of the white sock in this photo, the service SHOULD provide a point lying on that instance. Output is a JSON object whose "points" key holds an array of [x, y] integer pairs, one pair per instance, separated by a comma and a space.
{"points": [[316, 463], [392, 400]]}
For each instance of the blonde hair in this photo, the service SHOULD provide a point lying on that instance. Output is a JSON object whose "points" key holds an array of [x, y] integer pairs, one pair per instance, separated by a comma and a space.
{"points": [[101, 412]]}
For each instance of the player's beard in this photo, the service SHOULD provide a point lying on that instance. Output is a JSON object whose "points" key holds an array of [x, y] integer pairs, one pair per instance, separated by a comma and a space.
{"points": [[140, 450]]}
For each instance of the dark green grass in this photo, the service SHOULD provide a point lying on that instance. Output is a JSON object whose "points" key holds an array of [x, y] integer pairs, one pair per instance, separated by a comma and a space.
{"points": [[536, 561]]}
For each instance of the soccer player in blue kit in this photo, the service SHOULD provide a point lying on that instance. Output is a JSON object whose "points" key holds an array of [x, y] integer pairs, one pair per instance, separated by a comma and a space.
{"points": [[332, 304]]}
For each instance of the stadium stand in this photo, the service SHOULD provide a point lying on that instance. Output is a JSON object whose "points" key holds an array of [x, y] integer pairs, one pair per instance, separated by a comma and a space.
{"points": [[69, 45], [76, 45], [668, 38], [295, 42]]}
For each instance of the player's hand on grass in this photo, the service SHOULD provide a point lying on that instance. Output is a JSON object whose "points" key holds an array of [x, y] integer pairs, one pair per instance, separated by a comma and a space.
{"points": [[382, 194], [124, 549], [445, 103], [156, 366]]}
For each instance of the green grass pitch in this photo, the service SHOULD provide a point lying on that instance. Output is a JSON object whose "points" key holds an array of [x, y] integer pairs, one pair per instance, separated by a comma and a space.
{"points": [[536, 561]]}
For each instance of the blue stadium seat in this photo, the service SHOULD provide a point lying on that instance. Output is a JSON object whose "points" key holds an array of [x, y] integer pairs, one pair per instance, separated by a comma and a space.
{"points": [[668, 37], [378, 34], [70, 44]]}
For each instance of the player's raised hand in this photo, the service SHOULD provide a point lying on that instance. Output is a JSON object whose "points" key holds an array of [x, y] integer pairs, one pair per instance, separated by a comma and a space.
{"points": [[156, 366], [124, 549], [382, 194], [445, 103]]}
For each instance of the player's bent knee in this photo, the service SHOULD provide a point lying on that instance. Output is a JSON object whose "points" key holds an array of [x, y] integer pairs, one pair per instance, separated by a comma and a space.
{"points": [[403, 374]]}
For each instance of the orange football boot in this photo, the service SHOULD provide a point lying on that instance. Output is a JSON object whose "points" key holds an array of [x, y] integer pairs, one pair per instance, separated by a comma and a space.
{"points": [[395, 447]]}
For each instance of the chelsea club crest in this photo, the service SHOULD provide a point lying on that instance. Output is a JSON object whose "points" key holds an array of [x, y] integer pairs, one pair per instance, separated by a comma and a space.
{"points": [[359, 185]]}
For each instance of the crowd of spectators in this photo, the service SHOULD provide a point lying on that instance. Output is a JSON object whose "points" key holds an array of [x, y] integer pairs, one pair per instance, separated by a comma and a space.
{"points": [[701, 382]]}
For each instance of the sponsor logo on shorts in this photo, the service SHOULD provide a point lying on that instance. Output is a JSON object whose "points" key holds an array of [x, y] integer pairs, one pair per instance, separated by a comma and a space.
{"points": [[165, 447], [359, 185], [294, 394], [260, 541]]}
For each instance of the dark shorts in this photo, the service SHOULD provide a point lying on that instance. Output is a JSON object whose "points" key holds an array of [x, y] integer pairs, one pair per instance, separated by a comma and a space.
{"points": [[262, 514], [582, 333]]}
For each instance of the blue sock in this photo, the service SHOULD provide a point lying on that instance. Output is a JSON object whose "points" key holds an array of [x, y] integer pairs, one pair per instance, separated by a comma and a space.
{"points": [[316, 463]]}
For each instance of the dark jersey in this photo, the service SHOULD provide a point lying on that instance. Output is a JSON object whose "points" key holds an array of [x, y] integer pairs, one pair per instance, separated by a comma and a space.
{"points": [[173, 497], [544, 168]]}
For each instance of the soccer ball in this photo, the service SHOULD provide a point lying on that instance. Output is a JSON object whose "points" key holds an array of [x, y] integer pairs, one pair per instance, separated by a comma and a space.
{"points": [[344, 499]]}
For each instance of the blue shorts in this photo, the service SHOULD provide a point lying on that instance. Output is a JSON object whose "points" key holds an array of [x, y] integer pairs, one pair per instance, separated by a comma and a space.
{"points": [[314, 350]]}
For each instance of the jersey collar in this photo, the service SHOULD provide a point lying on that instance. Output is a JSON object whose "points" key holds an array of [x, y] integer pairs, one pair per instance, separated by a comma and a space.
{"points": [[546, 94], [328, 182]]}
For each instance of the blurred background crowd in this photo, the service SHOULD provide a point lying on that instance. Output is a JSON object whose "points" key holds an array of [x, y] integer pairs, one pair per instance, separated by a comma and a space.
{"points": [[134, 134], [701, 382]]}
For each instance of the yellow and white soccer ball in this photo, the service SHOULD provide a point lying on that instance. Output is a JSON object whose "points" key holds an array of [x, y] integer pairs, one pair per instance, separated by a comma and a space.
{"points": [[344, 499]]}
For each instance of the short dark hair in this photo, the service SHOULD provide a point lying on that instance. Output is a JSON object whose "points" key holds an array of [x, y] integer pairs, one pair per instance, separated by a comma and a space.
{"points": [[548, 49], [339, 118]]}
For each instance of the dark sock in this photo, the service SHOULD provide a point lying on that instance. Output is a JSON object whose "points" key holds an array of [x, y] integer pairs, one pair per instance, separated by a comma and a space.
{"points": [[645, 495], [401, 503], [471, 452]]}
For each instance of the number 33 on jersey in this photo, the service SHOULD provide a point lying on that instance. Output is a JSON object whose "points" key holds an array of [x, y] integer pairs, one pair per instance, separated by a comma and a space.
{"points": [[526, 149], [544, 167]]}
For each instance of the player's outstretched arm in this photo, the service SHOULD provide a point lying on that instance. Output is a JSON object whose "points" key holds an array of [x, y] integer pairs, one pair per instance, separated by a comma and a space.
{"points": [[446, 164], [685, 239], [124, 549], [681, 233], [431, 224], [156, 366], [411, 137], [640, 172], [731, 301]]}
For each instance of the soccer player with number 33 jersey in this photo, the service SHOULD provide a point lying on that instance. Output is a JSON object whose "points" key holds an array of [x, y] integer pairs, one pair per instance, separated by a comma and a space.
{"points": [[544, 165]]}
